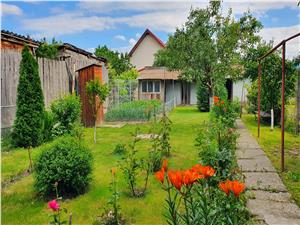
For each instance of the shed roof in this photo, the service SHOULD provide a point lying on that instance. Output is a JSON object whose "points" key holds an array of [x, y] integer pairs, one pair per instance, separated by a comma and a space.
{"points": [[157, 73], [147, 32], [81, 51], [19, 39]]}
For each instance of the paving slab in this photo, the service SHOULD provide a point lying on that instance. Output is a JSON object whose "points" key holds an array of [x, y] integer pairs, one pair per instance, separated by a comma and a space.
{"points": [[269, 202], [270, 196], [256, 164], [264, 181], [275, 213]]}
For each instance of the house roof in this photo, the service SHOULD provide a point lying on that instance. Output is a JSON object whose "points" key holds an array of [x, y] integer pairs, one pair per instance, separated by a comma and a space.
{"points": [[19, 39], [81, 51], [157, 73], [147, 32]]}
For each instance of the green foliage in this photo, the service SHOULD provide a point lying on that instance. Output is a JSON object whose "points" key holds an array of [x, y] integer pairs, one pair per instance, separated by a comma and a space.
{"points": [[130, 74], [46, 50], [120, 149], [209, 47], [48, 126], [202, 98], [271, 79], [141, 110], [67, 162], [96, 90], [164, 135], [66, 111], [28, 125], [118, 63], [155, 155]]}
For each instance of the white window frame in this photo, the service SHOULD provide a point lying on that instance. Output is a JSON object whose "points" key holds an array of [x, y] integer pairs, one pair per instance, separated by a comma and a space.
{"points": [[153, 86]]}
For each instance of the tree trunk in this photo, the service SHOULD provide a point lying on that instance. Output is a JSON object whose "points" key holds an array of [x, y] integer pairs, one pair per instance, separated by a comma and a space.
{"points": [[95, 132], [30, 160], [298, 105]]}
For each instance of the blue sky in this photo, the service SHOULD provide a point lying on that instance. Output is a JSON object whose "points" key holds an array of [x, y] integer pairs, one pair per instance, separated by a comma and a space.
{"points": [[118, 25]]}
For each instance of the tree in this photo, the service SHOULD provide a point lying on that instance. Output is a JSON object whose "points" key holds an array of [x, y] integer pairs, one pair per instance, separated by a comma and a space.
{"points": [[28, 125], [271, 78], [97, 93], [118, 63], [46, 50], [208, 48]]}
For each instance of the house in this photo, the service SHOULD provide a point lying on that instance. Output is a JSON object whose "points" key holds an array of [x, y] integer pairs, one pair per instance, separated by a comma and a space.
{"points": [[159, 83]]}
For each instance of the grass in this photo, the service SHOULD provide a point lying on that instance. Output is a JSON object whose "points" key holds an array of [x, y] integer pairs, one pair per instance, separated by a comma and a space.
{"points": [[270, 141], [20, 204]]}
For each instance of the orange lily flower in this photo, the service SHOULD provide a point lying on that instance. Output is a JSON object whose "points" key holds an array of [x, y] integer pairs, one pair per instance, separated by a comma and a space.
{"points": [[225, 186], [216, 99], [237, 188], [175, 178], [160, 175], [207, 171]]}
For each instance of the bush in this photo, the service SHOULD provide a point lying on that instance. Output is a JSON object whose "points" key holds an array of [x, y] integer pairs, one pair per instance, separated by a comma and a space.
{"points": [[48, 126], [202, 98], [66, 111], [120, 149], [28, 125], [66, 162], [141, 110]]}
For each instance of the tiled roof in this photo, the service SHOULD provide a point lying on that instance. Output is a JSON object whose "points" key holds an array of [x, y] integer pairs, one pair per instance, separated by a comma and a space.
{"points": [[157, 73]]}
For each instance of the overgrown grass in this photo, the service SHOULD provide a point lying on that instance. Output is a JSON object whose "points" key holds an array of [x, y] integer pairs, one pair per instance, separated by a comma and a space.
{"points": [[142, 110], [20, 204], [270, 141]]}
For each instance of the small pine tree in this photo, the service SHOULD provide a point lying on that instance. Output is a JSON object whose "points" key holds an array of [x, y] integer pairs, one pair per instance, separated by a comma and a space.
{"points": [[28, 125], [202, 98]]}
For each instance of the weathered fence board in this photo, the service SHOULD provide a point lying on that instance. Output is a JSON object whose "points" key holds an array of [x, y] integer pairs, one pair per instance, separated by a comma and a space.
{"points": [[54, 82]]}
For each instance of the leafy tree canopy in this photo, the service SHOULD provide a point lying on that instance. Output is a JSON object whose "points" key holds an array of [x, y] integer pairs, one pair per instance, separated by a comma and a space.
{"points": [[208, 48], [118, 62], [271, 78], [48, 50]]}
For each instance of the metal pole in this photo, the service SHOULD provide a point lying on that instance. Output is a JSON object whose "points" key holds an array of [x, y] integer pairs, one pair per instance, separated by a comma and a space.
{"points": [[258, 99], [282, 106]]}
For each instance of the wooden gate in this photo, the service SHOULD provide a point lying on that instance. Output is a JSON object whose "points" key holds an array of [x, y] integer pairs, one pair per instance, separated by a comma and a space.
{"points": [[86, 74]]}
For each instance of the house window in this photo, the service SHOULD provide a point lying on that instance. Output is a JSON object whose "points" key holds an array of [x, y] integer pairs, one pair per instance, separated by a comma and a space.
{"points": [[151, 86]]}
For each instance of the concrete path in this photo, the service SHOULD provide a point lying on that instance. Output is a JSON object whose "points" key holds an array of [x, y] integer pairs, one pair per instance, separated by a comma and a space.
{"points": [[269, 200]]}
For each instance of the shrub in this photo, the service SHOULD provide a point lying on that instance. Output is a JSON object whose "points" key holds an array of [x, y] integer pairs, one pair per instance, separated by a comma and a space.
{"points": [[28, 125], [120, 149], [141, 110], [202, 98], [48, 126], [66, 162], [164, 139], [66, 111]]}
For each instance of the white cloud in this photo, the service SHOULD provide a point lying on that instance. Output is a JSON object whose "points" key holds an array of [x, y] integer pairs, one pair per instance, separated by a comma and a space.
{"points": [[120, 37], [9, 9], [68, 23], [277, 34], [132, 41], [91, 50]]}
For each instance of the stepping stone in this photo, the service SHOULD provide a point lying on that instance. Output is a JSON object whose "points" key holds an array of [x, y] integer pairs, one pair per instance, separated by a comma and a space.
{"points": [[270, 196], [250, 153], [269, 181], [257, 164], [279, 213]]}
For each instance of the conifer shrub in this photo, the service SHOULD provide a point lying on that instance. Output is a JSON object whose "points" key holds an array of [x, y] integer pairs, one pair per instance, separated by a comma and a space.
{"points": [[28, 125], [67, 162]]}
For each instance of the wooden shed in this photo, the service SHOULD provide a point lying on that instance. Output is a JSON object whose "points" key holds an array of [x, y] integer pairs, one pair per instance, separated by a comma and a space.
{"points": [[86, 74]]}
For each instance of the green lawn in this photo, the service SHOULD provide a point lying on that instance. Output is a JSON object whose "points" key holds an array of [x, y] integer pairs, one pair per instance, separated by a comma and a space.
{"points": [[270, 141], [21, 206]]}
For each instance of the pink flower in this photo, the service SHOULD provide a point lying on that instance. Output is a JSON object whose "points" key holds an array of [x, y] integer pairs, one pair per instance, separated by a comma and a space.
{"points": [[53, 205]]}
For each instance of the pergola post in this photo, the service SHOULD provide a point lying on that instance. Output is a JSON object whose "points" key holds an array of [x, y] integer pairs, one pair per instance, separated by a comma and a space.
{"points": [[258, 99], [282, 106]]}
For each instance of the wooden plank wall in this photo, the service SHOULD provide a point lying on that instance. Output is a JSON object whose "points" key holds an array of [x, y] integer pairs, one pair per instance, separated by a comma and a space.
{"points": [[54, 81]]}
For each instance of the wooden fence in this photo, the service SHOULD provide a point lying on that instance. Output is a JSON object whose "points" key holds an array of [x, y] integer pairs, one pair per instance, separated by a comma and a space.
{"points": [[54, 80]]}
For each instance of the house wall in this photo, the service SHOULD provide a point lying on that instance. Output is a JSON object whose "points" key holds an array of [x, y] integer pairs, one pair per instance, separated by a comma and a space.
{"points": [[193, 95], [239, 89], [169, 91], [144, 54]]}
